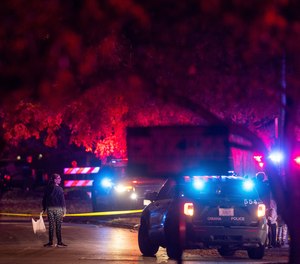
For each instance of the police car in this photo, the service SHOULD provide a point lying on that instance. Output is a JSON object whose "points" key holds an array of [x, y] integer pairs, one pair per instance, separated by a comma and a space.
{"points": [[113, 189], [222, 212], [120, 193]]}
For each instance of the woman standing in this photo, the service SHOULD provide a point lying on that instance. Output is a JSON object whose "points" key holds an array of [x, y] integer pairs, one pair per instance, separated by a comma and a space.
{"points": [[55, 205]]}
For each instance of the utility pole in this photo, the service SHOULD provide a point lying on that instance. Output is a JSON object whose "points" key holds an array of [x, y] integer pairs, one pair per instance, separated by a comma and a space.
{"points": [[282, 112], [283, 99]]}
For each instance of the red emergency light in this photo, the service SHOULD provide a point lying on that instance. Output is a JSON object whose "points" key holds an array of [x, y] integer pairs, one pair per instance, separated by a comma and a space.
{"points": [[297, 160], [258, 158]]}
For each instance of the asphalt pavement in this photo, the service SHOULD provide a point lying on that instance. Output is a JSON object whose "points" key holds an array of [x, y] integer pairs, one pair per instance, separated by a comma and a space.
{"points": [[29, 204]]}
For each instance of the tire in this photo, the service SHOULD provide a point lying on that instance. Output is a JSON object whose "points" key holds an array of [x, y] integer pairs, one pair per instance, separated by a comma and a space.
{"points": [[174, 251], [173, 247], [226, 251], [256, 253], [147, 247]]}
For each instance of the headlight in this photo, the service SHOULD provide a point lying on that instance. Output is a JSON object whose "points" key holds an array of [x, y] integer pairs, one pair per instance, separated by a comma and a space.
{"points": [[120, 188], [133, 196]]}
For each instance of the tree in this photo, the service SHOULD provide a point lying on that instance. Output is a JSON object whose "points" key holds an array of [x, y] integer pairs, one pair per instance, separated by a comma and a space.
{"points": [[70, 60], [99, 66]]}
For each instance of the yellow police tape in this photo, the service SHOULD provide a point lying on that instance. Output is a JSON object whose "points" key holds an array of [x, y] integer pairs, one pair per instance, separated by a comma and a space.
{"points": [[81, 214]]}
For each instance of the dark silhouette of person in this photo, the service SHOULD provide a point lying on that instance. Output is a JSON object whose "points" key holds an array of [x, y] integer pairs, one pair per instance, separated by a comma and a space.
{"points": [[272, 223], [29, 174], [263, 188]]}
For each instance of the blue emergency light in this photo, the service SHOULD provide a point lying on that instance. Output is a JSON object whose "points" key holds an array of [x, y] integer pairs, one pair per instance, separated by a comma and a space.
{"points": [[198, 184], [106, 183], [248, 185]]}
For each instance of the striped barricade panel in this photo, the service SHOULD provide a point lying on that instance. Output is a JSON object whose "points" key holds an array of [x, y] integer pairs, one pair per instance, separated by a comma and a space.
{"points": [[78, 183], [81, 170], [78, 176]]}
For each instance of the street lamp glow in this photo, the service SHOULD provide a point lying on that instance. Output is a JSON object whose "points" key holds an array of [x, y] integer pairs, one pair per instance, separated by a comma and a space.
{"points": [[276, 157]]}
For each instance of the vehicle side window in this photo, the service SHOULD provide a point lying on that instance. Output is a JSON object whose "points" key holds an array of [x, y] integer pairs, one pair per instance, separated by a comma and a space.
{"points": [[167, 191]]}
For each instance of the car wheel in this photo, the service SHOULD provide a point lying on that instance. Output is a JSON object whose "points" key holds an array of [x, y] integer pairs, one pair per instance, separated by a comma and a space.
{"points": [[147, 247], [256, 253], [174, 250], [226, 251]]}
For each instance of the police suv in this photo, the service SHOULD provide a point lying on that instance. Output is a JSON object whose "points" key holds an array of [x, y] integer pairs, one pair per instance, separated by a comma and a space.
{"points": [[222, 212]]}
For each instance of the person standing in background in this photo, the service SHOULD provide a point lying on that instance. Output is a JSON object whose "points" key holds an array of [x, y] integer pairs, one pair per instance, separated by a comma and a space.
{"points": [[29, 174], [263, 188], [55, 205], [282, 232], [272, 223]]}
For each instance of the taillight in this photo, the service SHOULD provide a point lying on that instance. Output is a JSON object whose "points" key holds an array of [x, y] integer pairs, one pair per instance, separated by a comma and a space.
{"points": [[261, 210], [188, 209]]}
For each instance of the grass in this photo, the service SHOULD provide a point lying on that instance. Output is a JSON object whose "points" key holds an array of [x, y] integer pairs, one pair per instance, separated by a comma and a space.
{"points": [[21, 201], [18, 201]]}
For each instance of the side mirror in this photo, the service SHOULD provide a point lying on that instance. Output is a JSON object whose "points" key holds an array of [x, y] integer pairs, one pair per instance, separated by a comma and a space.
{"points": [[152, 196]]}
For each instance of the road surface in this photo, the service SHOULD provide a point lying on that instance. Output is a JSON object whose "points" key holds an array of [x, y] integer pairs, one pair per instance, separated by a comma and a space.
{"points": [[91, 244]]}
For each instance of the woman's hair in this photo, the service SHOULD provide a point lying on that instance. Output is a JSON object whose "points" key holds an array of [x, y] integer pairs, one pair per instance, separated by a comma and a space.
{"points": [[53, 177]]}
